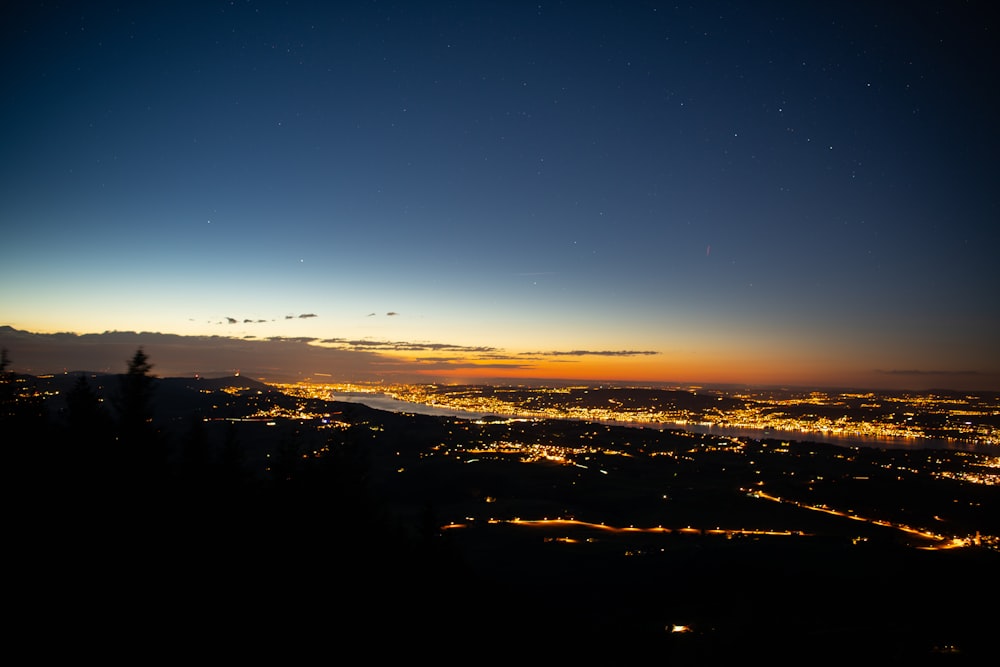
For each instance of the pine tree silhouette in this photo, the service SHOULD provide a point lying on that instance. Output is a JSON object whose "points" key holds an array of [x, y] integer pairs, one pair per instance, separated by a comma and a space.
{"points": [[135, 403], [142, 456]]}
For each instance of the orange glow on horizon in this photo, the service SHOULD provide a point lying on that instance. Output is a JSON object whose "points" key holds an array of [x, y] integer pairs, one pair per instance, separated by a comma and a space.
{"points": [[644, 368], [755, 361]]}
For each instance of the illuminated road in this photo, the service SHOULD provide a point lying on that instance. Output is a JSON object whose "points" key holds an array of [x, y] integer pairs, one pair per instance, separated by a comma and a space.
{"points": [[549, 523], [942, 542]]}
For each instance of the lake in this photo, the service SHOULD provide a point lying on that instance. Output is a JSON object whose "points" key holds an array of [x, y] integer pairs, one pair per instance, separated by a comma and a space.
{"points": [[390, 404]]}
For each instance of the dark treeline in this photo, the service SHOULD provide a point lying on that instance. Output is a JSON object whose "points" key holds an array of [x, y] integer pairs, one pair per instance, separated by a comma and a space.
{"points": [[112, 512]]}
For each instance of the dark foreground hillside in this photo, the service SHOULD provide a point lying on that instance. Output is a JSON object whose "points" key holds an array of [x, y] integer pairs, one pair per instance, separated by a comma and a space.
{"points": [[234, 540], [270, 579]]}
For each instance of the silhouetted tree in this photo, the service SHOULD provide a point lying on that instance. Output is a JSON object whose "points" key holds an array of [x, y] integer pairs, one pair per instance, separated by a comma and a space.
{"points": [[135, 403], [141, 447]]}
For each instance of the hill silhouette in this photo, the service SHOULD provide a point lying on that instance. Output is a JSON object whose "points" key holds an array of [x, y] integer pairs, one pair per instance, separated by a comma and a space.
{"points": [[344, 528]]}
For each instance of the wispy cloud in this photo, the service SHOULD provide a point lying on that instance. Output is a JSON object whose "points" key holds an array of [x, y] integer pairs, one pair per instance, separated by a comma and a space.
{"points": [[401, 346], [457, 363], [917, 372], [260, 320], [593, 353]]}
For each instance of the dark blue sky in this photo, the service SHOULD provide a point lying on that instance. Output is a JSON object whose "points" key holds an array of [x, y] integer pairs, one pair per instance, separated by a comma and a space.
{"points": [[755, 192]]}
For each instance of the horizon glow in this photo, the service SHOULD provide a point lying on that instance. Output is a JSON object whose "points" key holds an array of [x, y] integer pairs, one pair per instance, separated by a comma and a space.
{"points": [[816, 208]]}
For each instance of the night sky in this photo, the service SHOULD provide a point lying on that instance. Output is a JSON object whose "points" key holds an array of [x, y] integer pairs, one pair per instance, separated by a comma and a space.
{"points": [[754, 192]]}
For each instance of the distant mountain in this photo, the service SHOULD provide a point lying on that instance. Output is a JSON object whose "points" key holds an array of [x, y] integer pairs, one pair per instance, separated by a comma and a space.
{"points": [[215, 384], [173, 398]]}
